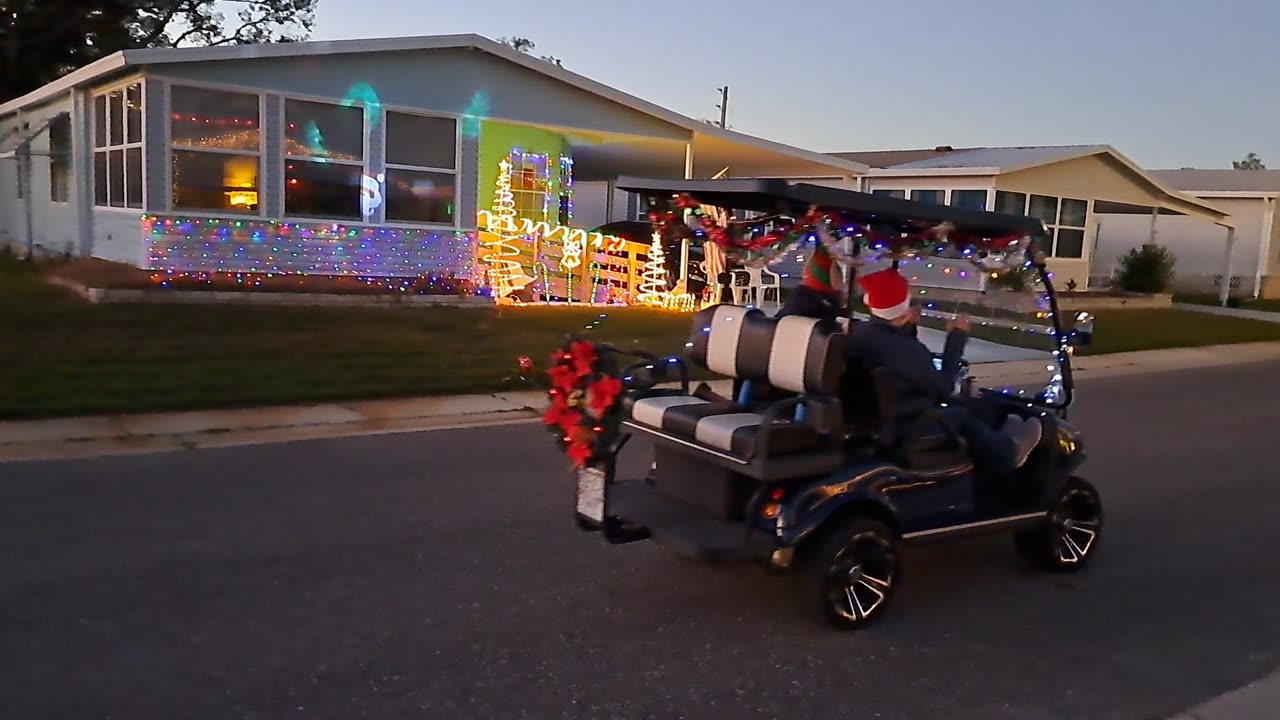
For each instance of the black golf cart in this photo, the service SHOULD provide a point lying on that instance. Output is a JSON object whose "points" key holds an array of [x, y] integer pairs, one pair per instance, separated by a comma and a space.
{"points": [[806, 483]]}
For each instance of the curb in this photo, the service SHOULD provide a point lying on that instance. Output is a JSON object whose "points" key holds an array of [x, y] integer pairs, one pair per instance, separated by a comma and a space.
{"points": [[1259, 700], [77, 437]]}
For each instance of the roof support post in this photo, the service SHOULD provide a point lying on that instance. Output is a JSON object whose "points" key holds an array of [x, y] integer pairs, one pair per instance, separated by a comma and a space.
{"points": [[1224, 289], [24, 182], [682, 281], [1155, 215], [1264, 247]]}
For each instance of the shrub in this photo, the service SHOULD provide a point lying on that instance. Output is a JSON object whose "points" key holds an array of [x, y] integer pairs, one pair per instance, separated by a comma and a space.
{"points": [[1148, 269]]}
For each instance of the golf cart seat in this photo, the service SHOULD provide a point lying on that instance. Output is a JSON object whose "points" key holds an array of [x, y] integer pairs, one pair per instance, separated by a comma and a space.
{"points": [[790, 438], [928, 446]]}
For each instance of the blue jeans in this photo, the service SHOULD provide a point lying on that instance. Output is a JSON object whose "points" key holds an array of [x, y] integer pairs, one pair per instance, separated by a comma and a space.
{"points": [[990, 448]]}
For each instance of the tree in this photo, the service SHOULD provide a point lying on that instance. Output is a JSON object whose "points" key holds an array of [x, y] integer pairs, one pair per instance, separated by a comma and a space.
{"points": [[1250, 162], [527, 46], [41, 40]]}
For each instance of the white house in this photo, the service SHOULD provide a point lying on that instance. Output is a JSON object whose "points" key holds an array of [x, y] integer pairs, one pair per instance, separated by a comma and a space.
{"points": [[1071, 188], [1249, 195]]}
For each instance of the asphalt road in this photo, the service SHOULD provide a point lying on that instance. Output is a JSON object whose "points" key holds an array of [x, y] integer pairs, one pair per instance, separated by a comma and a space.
{"points": [[438, 575]]}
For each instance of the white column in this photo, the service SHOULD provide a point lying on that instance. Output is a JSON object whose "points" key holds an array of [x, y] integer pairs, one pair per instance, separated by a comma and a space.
{"points": [[1224, 291], [24, 180], [1155, 215], [1264, 247]]}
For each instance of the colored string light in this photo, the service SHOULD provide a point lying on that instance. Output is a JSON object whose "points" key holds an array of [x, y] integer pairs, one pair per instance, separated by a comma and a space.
{"points": [[178, 245]]}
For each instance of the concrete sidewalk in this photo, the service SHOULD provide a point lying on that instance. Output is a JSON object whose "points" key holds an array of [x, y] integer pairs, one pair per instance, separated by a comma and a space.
{"points": [[157, 432], [1259, 700]]}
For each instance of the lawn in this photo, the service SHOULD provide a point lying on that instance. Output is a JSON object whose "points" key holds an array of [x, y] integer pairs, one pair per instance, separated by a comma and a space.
{"points": [[63, 356]]}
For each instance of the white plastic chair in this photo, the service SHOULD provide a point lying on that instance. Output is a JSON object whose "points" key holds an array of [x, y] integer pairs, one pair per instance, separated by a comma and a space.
{"points": [[743, 287], [764, 281]]}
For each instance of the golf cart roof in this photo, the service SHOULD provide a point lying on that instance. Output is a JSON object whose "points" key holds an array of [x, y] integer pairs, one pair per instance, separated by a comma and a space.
{"points": [[774, 195]]}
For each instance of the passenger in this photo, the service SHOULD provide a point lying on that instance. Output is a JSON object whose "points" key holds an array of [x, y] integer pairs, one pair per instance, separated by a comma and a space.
{"points": [[889, 341], [821, 292]]}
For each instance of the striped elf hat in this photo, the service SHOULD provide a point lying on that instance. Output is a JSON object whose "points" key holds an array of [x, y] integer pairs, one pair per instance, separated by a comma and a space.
{"points": [[821, 273]]}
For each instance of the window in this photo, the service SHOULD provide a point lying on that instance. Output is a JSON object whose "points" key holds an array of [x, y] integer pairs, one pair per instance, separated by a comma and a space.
{"points": [[1043, 208], [117, 141], [1072, 218], [530, 183], [900, 194], [422, 153], [216, 140], [969, 199], [1065, 219], [324, 160], [932, 197], [60, 159], [1011, 203]]}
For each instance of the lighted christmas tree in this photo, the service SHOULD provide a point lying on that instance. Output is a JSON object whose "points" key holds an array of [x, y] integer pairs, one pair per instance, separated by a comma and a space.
{"points": [[505, 274], [653, 289]]}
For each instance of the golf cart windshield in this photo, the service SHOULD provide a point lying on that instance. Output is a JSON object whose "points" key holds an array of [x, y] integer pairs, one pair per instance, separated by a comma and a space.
{"points": [[987, 266]]}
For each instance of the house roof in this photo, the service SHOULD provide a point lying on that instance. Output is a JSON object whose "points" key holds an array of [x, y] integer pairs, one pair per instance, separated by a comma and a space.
{"points": [[1260, 183], [988, 159], [125, 59], [1001, 160], [890, 158]]}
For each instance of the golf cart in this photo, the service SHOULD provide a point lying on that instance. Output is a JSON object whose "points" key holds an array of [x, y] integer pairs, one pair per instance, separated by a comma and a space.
{"points": [[802, 482]]}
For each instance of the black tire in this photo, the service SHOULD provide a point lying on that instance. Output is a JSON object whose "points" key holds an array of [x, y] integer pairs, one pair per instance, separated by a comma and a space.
{"points": [[853, 572], [1070, 538]]}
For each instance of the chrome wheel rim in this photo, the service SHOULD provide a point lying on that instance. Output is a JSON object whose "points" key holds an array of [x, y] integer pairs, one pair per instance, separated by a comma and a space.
{"points": [[861, 578], [1078, 520]]}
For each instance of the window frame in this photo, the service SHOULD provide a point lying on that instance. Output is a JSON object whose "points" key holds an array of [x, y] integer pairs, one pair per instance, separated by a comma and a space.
{"points": [[123, 147], [171, 147], [1057, 225], [363, 164], [387, 165]]}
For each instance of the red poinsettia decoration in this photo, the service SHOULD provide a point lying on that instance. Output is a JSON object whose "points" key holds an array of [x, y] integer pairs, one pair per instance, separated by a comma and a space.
{"points": [[584, 408]]}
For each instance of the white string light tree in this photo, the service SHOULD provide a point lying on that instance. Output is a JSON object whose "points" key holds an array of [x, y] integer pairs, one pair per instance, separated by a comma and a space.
{"points": [[506, 275], [653, 287]]}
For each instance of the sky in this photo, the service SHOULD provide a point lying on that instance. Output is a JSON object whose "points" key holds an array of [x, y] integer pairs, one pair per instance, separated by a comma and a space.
{"points": [[1191, 85]]}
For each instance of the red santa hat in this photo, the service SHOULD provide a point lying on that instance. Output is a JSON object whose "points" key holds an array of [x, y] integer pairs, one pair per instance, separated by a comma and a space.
{"points": [[886, 293]]}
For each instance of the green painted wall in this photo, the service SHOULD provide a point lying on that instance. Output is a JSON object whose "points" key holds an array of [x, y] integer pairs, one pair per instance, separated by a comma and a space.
{"points": [[496, 141]]}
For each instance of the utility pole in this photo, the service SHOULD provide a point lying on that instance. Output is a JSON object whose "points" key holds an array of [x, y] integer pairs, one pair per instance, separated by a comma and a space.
{"points": [[724, 106]]}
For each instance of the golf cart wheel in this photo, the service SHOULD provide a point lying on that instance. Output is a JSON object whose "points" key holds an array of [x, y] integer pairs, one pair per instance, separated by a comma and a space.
{"points": [[856, 570], [1070, 538]]}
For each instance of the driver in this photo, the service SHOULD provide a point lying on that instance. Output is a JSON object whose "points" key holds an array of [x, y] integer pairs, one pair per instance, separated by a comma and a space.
{"points": [[889, 341]]}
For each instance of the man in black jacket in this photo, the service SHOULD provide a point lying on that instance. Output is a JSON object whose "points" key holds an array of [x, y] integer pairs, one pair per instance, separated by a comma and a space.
{"points": [[889, 341]]}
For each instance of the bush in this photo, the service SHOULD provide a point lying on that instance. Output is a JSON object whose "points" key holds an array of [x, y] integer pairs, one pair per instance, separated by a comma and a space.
{"points": [[1148, 269]]}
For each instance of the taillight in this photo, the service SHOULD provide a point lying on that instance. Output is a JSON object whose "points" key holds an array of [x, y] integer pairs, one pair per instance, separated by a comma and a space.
{"points": [[773, 505]]}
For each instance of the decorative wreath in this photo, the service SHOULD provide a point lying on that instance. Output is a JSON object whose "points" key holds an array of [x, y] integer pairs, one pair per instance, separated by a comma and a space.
{"points": [[584, 412]]}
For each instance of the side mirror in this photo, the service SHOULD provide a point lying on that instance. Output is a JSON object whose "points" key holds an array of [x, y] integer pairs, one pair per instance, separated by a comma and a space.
{"points": [[1082, 332]]}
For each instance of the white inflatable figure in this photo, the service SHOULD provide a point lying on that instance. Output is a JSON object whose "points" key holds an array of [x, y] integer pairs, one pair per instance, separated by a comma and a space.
{"points": [[371, 194]]}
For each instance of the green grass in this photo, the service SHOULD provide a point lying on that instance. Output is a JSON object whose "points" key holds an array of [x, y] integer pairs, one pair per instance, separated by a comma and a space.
{"points": [[61, 356], [1272, 305]]}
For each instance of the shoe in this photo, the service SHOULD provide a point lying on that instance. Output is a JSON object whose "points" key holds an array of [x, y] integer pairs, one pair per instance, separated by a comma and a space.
{"points": [[1026, 435]]}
